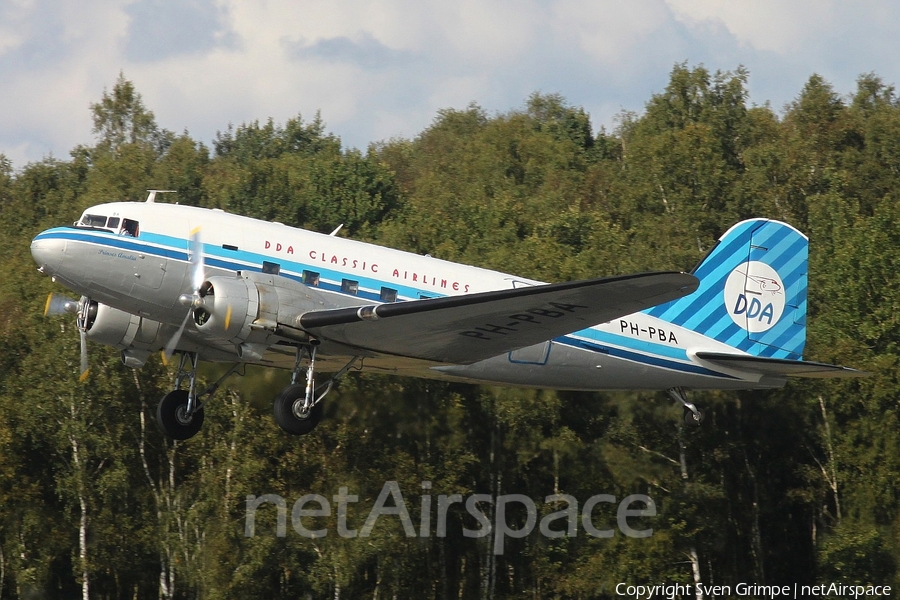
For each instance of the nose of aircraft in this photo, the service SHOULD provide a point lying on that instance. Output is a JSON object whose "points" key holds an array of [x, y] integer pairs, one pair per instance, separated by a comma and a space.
{"points": [[48, 253]]}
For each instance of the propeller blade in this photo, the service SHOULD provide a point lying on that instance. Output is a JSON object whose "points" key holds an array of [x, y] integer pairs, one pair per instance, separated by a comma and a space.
{"points": [[57, 304], [198, 274], [173, 343], [85, 367]]}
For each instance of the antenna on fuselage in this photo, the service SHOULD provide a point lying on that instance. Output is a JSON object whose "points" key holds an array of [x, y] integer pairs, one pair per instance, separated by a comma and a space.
{"points": [[151, 197]]}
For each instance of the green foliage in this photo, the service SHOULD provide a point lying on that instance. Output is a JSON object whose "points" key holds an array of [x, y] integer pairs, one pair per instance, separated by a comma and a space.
{"points": [[297, 174], [856, 554], [797, 484], [120, 118]]}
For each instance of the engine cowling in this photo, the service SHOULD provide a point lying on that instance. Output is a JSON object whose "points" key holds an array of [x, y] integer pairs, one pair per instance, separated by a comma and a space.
{"points": [[136, 336], [248, 309]]}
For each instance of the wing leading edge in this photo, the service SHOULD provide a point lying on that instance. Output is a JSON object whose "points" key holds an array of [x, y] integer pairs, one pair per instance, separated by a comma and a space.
{"points": [[469, 328]]}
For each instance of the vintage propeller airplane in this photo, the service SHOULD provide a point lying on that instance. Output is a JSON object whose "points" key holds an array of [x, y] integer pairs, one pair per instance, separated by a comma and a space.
{"points": [[227, 288]]}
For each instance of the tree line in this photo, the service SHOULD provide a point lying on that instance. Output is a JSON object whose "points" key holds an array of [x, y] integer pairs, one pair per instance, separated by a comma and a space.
{"points": [[793, 485]]}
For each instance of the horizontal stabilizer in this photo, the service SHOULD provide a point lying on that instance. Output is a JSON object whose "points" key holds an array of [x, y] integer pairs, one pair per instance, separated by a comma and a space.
{"points": [[468, 328], [779, 367]]}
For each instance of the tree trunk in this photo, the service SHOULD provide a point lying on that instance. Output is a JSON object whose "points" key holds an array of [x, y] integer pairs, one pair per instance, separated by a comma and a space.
{"points": [[79, 468], [692, 555], [695, 569], [83, 518], [166, 568], [337, 584], [756, 545], [490, 570], [832, 477], [82, 548], [2, 570]]}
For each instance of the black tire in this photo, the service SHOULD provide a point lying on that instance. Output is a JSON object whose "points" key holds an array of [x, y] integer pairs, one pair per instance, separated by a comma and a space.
{"points": [[170, 416], [693, 420], [290, 398]]}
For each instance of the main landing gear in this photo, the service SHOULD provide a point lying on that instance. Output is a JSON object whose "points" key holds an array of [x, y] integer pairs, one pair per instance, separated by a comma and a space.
{"points": [[180, 412], [693, 415], [298, 408]]}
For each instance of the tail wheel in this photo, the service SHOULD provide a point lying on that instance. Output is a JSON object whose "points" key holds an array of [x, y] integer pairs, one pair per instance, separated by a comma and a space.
{"points": [[173, 419], [693, 419], [289, 414]]}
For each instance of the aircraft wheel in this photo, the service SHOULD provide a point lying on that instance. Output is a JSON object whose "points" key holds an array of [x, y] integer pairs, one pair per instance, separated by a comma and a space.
{"points": [[693, 420], [172, 417], [287, 410]]}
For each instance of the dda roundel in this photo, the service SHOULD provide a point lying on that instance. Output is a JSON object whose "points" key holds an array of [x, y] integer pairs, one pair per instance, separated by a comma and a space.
{"points": [[754, 296]]}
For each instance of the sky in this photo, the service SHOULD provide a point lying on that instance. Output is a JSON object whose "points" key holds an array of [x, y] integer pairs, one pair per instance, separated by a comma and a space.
{"points": [[382, 69]]}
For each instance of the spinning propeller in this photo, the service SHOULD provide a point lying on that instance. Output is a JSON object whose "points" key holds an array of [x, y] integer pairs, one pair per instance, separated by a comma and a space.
{"points": [[195, 298], [85, 311]]}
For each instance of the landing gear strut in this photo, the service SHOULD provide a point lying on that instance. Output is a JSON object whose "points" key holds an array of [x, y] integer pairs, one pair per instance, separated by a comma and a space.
{"points": [[298, 408], [180, 412], [693, 415]]}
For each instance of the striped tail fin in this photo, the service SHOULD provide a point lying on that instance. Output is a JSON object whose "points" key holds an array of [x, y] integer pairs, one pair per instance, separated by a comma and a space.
{"points": [[752, 293]]}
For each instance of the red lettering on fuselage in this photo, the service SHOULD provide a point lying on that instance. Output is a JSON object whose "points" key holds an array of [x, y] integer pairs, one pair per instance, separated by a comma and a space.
{"points": [[357, 264]]}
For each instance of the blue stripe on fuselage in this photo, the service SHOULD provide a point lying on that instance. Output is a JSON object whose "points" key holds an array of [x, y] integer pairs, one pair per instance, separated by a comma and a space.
{"points": [[658, 355]]}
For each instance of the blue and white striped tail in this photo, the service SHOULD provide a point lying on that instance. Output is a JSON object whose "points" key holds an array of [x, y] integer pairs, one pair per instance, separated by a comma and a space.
{"points": [[752, 293]]}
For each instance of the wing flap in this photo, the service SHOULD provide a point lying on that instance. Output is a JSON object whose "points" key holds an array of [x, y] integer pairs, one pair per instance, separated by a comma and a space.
{"points": [[779, 367], [472, 327]]}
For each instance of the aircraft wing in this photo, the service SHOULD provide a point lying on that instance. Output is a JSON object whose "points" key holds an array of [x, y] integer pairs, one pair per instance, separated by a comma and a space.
{"points": [[469, 328]]}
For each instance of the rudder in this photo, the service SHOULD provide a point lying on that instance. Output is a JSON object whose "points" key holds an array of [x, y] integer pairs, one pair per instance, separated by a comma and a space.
{"points": [[752, 293]]}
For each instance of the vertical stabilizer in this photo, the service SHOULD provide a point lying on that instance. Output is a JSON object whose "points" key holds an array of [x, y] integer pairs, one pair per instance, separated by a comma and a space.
{"points": [[752, 293]]}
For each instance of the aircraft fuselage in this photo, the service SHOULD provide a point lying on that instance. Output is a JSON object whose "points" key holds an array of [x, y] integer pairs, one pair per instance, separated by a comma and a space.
{"points": [[145, 269]]}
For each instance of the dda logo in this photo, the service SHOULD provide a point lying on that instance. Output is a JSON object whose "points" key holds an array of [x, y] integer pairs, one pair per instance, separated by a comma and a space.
{"points": [[754, 296]]}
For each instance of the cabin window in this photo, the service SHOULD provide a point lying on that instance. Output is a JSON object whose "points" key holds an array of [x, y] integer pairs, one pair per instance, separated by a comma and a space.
{"points": [[311, 278], [130, 227], [271, 268], [349, 286], [388, 294]]}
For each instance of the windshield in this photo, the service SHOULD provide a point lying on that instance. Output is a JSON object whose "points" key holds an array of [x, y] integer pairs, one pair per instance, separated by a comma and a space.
{"points": [[114, 224]]}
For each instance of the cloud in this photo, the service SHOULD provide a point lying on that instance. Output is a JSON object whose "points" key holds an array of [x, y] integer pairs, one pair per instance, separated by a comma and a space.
{"points": [[13, 17], [612, 33], [365, 52], [383, 68], [160, 29], [769, 25], [57, 66]]}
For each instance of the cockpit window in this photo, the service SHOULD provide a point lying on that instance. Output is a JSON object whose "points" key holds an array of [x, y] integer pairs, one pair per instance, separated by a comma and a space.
{"points": [[93, 221], [114, 224]]}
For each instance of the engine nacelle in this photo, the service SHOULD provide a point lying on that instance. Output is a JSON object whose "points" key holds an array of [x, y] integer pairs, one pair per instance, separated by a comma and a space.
{"points": [[249, 308], [134, 335]]}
